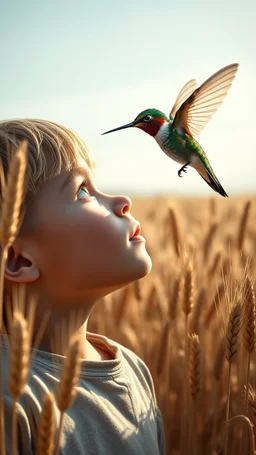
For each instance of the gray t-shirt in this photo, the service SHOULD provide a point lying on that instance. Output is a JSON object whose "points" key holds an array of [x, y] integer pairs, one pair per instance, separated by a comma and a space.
{"points": [[114, 413]]}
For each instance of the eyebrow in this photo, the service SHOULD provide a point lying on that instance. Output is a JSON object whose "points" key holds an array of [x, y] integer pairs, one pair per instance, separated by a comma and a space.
{"points": [[75, 172]]}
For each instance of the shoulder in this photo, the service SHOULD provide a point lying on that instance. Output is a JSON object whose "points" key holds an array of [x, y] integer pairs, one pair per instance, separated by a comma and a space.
{"points": [[137, 368]]}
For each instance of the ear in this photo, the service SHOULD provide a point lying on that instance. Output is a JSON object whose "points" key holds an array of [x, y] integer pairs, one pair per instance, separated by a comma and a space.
{"points": [[20, 267]]}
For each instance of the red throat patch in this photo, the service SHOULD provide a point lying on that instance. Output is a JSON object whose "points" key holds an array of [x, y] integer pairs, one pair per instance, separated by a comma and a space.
{"points": [[151, 127]]}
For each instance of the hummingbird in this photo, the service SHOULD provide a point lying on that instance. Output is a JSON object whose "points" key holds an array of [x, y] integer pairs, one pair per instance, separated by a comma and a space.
{"points": [[192, 110]]}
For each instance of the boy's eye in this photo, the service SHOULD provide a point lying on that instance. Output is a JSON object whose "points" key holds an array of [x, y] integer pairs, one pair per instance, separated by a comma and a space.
{"points": [[82, 190]]}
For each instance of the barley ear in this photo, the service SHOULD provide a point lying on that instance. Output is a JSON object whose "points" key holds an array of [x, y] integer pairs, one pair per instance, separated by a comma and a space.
{"points": [[19, 367], [188, 289], [173, 298], [175, 232], [194, 382], [209, 239], [232, 332], [70, 375], [243, 225], [194, 366], [13, 196], [45, 442], [248, 326], [19, 356], [248, 330]]}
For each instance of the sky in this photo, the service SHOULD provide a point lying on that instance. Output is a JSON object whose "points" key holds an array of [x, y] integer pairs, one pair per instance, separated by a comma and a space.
{"points": [[94, 66]]}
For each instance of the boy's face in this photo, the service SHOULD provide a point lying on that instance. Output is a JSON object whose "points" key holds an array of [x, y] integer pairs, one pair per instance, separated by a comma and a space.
{"points": [[81, 240]]}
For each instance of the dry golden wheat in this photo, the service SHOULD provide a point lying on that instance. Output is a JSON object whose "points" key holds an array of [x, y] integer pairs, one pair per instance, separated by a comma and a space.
{"points": [[70, 375], [252, 404], [188, 289], [243, 225], [19, 367], [232, 332], [176, 240], [194, 366], [19, 357], [45, 441], [215, 264], [209, 239], [13, 196], [248, 326], [215, 303], [69, 378]]}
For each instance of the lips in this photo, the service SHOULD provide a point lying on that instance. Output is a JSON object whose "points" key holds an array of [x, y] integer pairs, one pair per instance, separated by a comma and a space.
{"points": [[136, 231]]}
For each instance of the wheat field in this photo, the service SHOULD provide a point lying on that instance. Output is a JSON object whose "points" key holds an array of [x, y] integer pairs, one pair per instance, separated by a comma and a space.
{"points": [[192, 320]]}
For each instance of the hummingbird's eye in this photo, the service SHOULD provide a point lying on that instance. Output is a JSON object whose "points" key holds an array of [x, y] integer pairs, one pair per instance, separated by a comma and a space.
{"points": [[147, 118]]}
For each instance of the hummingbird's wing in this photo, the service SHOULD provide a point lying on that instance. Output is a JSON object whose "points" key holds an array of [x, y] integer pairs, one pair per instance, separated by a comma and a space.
{"points": [[185, 92], [197, 110]]}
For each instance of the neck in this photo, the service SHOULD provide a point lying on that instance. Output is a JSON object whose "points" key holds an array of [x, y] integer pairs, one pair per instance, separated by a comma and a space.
{"points": [[58, 320]]}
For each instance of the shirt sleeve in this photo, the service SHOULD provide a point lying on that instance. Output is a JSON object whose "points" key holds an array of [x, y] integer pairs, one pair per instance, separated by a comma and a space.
{"points": [[160, 431]]}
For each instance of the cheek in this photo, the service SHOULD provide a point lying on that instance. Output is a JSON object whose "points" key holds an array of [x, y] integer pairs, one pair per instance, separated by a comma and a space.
{"points": [[81, 240]]}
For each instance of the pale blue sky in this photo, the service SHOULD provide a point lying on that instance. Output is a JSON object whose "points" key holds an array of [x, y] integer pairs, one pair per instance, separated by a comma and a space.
{"points": [[94, 66]]}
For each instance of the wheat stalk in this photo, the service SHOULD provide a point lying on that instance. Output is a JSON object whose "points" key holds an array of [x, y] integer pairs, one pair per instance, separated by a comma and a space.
{"points": [[176, 238], [162, 348], [243, 225], [250, 427], [252, 403], [45, 441], [248, 329], [187, 305], [198, 309], [209, 239], [194, 380], [232, 332], [213, 269], [212, 309], [70, 376], [217, 372], [213, 208], [173, 299], [19, 367], [137, 290], [12, 198], [188, 289], [194, 366]]}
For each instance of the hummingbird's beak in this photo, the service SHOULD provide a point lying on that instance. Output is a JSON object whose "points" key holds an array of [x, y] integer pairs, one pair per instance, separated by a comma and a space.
{"points": [[128, 125]]}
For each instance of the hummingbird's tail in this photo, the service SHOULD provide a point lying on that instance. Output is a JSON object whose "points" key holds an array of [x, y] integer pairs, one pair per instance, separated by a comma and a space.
{"points": [[215, 185], [206, 172]]}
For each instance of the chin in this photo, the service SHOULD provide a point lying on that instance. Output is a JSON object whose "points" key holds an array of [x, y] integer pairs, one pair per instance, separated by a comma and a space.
{"points": [[137, 270], [143, 266]]}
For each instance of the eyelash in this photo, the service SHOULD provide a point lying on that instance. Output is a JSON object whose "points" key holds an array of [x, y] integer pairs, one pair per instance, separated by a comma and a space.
{"points": [[84, 184]]}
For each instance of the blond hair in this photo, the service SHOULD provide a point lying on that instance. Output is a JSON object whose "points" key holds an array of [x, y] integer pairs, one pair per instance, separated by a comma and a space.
{"points": [[52, 149]]}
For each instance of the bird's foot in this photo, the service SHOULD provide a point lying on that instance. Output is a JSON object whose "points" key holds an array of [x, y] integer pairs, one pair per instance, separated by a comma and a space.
{"points": [[183, 169]]}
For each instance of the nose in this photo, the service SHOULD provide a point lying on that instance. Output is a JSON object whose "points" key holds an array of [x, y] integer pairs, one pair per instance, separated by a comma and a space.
{"points": [[122, 205]]}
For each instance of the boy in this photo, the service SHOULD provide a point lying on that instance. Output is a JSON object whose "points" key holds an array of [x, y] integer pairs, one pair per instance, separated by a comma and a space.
{"points": [[76, 245]]}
